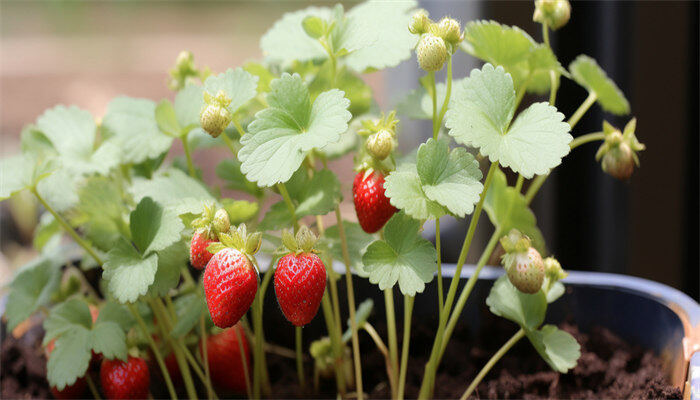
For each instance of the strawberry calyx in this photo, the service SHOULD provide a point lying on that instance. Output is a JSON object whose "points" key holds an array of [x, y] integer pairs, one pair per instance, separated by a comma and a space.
{"points": [[303, 242], [239, 239], [212, 222]]}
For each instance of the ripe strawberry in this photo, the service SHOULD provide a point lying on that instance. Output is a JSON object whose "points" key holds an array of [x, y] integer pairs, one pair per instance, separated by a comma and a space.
{"points": [[224, 356], [199, 255], [207, 227], [230, 280], [125, 380], [371, 205], [300, 278], [74, 391]]}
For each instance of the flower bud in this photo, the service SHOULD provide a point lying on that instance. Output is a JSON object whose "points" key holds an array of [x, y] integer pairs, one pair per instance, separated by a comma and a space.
{"points": [[553, 269], [419, 22], [515, 242], [431, 52], [215, 117], [554, 13], [618, 152], [380, 144], [450, 31], [221, 222], [525, 270]]}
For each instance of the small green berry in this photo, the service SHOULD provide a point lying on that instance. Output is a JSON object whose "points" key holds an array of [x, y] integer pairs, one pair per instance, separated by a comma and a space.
{"points": [[525, 270], [419, 22], [380, 144], [215, 116], [554, 13], [450, 30], [619, 150], [431, 52], [221, 221]]}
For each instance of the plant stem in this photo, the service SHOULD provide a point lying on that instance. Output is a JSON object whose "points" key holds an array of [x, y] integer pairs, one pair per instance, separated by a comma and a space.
{"points": [[433, 97], [238, 126], [441, 298], [188, 155], [156, 352], [258, 352], [393, 342], [290, 205], [407, 313], [244, 361], [205, 356], [335, 342], [519, 183], [494, 359], [553, 87], [85, 245], [300, 361], [377, 341], [351, 304], [545, 34], [431, 367], [582, 109], [448, 93], [229, 144], [91, 384]]}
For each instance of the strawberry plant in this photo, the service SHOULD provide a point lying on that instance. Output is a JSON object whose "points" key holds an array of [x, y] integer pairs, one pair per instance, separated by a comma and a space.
{"points": [[185, 264]]}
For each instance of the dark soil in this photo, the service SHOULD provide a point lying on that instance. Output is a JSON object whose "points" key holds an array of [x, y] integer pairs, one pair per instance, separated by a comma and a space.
{"points": [[608, 368]]}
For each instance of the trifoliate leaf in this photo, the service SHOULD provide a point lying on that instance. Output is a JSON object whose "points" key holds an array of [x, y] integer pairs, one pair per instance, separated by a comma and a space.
{"points": [[405, 191], [22, 172], [189, 308], [153, 227], [70, 358], [188, 104], [174, 190], [132, 124], [280, 136], [526, 310], [558, 348], [31, 288], [587, 73], [109, 339], [128, 273], [238, 84], [450, 178], [171, 261], [507, 209], [403, 257], [357, 240], [65, 317], [230, 171], [480, 115]]}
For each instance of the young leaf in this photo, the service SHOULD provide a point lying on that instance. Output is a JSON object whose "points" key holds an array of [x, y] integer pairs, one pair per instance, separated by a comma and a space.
{"points": [[403, 257], [153, 227], [70, 358], [230, 171], [238, 84], [405, 191], [357, 241], [174, 190], [22, 172], [280, 136], [361, 315], [587, 73], [526, 310], [450, 178], [480, 115], [31, 288], [128, 273], [132, 124], [558, 348]]}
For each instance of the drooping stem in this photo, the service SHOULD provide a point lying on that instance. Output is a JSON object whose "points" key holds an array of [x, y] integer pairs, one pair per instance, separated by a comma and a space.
{"points": [[205, 357], [441, 298], [393, 342], [300, 360], [188, 155], [290, 205], [93, 388], [592, 97], [407, 313], [431, 367], [492, 361], [244, 361], [351, 304], [448, 93], [156, 351], [81, 242]]}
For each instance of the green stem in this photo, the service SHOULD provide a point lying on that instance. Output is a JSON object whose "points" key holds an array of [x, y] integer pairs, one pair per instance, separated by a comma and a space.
{"points": [[582, 109], [85, 245], [545, 34], [351, 304], [188, 155], [290, 205], [238, 126], [260, 368], [441, 298], [335, 342], [519, 183], [244, 361], [205, 356], [448, 94], [521, 91], [93, 388], [300, 360], [433, 98], [553, 87], [393, 342], [494, 359], [156, 351], [431, 367], [587, 138], [229, 144], [407, 313]]}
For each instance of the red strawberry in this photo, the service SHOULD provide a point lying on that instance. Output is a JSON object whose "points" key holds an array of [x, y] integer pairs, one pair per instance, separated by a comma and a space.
{"points": [[199, 255], [74, 391], [224, 356], [125, 380], [371, 205]]}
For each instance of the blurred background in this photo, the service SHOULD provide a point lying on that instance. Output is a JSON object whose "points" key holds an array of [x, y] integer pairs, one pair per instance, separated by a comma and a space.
{"points": [[86, 53]]}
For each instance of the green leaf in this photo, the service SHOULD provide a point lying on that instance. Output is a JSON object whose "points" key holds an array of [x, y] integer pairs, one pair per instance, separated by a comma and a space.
{"points": [[405, 191], [60, 189], [526, 310], [480, 116], [450, 178], [497, 44], [277, 217], [587, 73], [100, 211], [239, 211], [355, 89], [262, 72], [171, 261], [361, 315], [541, 63], [116, 313], [188, 105], [287, 41], [48, 228], [167, 120], [70, 358], [555, 292], [189, 308], [507, 209], [31, 288], [238, 84], [357, 240], [34, 142], [153, 227], [173, 189], [230, 171], [132, 124], [22, 172], [403, 257], [280, 137], [109, 339], [558, 348], [128, 273], [315, 27], [65, 317]]}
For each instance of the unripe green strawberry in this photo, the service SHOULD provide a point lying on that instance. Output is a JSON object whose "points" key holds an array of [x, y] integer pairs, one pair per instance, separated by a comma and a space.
{"points": [[419, 23], [554, 13], [380, 144], [525, 270], [215, 116], [553, 269], [618, 162], [431, 52], [450, 31], [221, 221], [619, 150]]}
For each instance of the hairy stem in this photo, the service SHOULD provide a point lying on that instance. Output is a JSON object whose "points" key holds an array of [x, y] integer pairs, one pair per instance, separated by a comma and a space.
{"points": [[188, 155], [290, 205], [300, 360], [592, 97], [433, 98], [441, 298], [393, 342], [407, 313], [244, 361], [336, 343], [448, 93], [229, 144], [205, 357], [93, 388]]}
